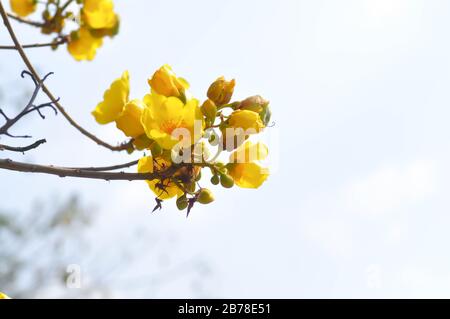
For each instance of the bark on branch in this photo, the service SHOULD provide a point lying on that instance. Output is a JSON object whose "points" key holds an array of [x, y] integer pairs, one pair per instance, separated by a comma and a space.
{"points": [[21, 149], [89, 173]]}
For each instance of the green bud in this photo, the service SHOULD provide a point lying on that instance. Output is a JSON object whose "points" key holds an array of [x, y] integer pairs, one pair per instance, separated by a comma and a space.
{"points": [[213, 139], [205, 196], [215, 180], [226, 181], [182, 202]]}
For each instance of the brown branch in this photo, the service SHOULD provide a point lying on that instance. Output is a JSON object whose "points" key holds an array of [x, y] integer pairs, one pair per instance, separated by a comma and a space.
{"points": [[36, 45], [107, 168], [21, 20], [65, 5], [82, 173], [21, 149], [121, 147]]}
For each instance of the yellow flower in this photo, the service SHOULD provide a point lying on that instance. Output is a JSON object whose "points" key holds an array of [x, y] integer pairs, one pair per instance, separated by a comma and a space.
{"points": [[116, 107], [247, 120], [23, 7], [164, 189], [249, 152], [99, 14], [165, 82], [243, 166], [3, 296], [129, 121], [83, 46], [168, 120], [114, 100]]}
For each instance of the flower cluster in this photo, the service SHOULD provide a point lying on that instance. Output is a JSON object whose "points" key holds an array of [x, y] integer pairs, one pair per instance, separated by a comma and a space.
{"points": [[92, 20], [180, 134]]}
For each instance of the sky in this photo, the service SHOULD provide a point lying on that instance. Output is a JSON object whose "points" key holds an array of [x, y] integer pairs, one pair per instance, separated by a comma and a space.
{"points": [[356, 205]]}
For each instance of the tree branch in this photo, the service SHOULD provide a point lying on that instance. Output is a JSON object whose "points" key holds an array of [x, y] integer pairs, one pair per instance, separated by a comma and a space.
{"points": [[21, 20], [36, 45], [83, 173], [30, 107], [106, 168], [120, 147], [22, 149], [65, 5]]}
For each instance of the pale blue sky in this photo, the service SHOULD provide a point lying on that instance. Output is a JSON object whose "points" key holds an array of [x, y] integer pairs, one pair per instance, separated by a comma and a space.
{"points": [[358, 203]]}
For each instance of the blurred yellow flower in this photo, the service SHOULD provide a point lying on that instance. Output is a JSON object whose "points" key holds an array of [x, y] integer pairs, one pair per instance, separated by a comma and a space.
{"points": [[247, 120], [23, 7], [169, 121], [3, 296], [99, 14], [164, 189], [243, 166], [83, 46], [165, 82], [114, 100]]}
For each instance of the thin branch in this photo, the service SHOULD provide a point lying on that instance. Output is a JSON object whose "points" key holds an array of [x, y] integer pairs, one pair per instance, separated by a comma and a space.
{"points": [[21, 20], [107, 168], [120, 147], [22, 149], [82, 173], [36, 45], [30, 107], [64, 6]]}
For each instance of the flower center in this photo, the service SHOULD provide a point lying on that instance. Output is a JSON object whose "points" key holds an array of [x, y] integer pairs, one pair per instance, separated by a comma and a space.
{"points": [[169, 126]]}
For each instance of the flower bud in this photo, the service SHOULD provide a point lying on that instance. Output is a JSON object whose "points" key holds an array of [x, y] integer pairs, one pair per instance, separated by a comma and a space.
{"points": [[254, 103], [209, 110], [221, 91], [215, 180], [182, 202], [205, 196], [249, 121], [226, 181], [165, 82]]}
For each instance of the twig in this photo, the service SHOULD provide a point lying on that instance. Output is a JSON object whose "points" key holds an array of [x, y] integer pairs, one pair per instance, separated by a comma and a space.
{"points": [[21, 20], [36, 45], [120, 147], [107, 168], [65, 5], [30, 107], [82, 173], [22, 149]]}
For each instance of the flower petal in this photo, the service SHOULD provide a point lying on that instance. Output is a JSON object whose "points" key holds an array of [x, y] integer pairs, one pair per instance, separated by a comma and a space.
{"points": [[114, 100]]}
